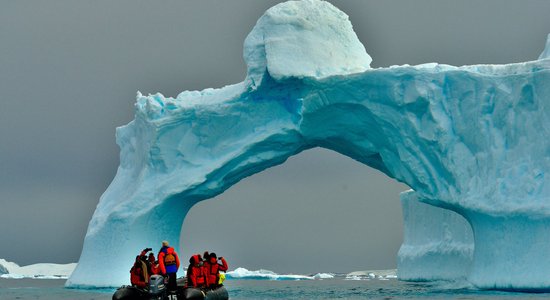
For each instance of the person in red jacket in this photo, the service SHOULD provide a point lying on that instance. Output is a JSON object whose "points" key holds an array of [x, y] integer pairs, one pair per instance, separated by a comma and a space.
{"points": [[213, 269], [138, 274], [153, 265], [145, 260], [169, 264], [196, 273], [143, 254]]}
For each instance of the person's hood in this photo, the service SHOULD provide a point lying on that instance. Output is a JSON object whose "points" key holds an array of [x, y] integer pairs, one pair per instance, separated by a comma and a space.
{"points": [[195, 259]]}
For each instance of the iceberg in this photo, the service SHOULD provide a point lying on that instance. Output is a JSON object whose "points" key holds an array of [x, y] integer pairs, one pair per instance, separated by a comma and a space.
{"points": [[3, 270], [472, 139], [242, 273], [372, 274], [321, 276], [438, 243], [36, 271]]}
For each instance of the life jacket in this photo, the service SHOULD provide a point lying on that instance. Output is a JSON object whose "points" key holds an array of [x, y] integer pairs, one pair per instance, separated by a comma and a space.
{"points": [[168, 260], [196, 274], [213, 270], [155, 269], [137, 277]]}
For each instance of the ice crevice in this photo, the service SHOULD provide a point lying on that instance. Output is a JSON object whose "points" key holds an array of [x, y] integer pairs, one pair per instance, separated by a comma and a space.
{"points": [[472, 139]]}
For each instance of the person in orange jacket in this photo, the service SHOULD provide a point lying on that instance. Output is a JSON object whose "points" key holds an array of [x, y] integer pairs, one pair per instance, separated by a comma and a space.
{"points": [[138, 274], [213, 269], [196, 273], [169, 264]]}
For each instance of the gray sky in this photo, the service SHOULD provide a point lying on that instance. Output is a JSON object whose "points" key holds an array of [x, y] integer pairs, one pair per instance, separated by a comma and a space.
{"points": [[69, 72]]}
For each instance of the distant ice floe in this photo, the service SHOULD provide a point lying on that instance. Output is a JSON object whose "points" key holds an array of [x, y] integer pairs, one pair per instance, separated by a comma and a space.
{"points": [[323, 276], [10, 270], [242, 273], [37, 271], [372, 274]]}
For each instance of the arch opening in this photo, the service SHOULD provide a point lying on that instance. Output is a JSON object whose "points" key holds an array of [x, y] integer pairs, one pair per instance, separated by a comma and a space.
{"points": [[318, 212]]}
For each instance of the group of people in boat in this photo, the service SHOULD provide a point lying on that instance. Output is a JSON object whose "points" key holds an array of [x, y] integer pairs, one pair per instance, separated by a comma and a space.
{"points": [[202, 272]]}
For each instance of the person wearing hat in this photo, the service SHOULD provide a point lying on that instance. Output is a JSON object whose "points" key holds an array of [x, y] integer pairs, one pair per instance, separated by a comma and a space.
{"points": [[213, 269], [153, 264], [138, 274], [196, 273], [169, 264]]}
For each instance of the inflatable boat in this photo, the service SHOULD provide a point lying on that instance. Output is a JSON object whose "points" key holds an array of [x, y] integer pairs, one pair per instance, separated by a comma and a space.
{"points": [[157, 291]]}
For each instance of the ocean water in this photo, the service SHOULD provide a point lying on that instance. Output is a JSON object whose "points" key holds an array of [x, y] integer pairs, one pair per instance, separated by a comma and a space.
{"points": [[336, 288]]}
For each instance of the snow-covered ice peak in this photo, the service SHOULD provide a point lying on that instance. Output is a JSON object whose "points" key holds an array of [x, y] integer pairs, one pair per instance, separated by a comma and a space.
{"points": [[546, 53], [306, 38]]}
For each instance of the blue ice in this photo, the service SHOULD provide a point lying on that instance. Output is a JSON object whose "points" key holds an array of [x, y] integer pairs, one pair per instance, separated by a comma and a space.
{"points": [[473, 139]]}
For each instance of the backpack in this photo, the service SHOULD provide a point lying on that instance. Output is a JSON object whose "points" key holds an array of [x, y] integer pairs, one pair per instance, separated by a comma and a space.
{"points": [[169, 259]]}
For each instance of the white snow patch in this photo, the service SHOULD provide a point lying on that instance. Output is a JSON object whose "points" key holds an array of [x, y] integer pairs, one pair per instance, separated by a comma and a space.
{"points": [[309, 38]]}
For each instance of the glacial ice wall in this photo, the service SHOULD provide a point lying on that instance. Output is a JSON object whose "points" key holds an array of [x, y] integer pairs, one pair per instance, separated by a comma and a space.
{"points": [[438, 243], [473, 139]]}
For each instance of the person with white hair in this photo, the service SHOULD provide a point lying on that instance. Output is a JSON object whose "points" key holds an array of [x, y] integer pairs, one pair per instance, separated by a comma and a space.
{"points": [[169, 264]]}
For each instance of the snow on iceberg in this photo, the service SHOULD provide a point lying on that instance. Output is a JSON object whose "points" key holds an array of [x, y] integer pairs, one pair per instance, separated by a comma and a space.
{"points": [[473, 139], [313, 33], [438, 243], [38, 271]]}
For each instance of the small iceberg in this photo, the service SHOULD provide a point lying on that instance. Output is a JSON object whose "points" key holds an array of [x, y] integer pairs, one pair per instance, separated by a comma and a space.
{"points": [[36, 271], [321, 276], [242, 273], [372, 274]]}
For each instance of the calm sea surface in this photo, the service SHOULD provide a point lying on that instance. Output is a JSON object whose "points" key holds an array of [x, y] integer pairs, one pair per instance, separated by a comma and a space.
{"points": [[336, 288]]}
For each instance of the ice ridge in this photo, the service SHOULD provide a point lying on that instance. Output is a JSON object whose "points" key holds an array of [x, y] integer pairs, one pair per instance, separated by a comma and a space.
{"points": [[473, 139], [546, 53]]}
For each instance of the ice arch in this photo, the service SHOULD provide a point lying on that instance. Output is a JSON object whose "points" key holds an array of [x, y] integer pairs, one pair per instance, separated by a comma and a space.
{"points": [[472, 139]]}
